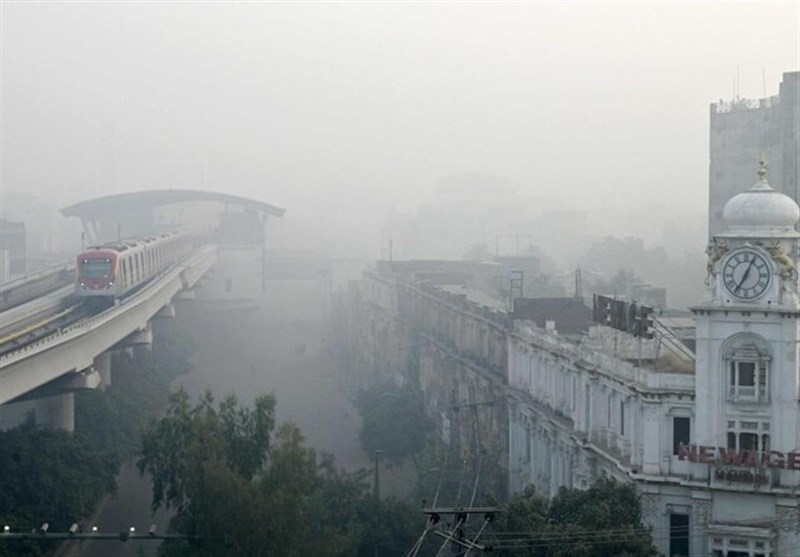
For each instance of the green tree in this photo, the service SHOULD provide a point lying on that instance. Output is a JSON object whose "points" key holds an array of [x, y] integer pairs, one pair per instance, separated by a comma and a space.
{"points": [[393, 420], [58, 477], [49, 476], [190, 441], [245, 487], [603, 521]]}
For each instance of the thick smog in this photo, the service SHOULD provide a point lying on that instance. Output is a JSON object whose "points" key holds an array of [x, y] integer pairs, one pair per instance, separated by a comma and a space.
{"points": [[369, 278]]}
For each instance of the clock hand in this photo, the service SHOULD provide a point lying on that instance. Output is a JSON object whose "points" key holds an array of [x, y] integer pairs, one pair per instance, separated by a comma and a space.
{"points": [[745, 275]]}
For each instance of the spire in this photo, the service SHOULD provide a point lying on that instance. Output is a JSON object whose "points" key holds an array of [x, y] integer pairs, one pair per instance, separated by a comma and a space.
{"points": [[762, 184], [762, 168]]}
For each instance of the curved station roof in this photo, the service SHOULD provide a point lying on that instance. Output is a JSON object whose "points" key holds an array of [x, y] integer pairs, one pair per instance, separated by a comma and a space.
{"points": [[240, 220], [100, 206]]}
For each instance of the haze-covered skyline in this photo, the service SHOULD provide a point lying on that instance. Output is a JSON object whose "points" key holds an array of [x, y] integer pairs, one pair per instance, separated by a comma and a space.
{"points": [[349, 109]]}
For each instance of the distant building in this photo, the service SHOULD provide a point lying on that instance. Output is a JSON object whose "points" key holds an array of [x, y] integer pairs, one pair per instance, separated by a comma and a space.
{"points": [[12, 242], [744, 129]]}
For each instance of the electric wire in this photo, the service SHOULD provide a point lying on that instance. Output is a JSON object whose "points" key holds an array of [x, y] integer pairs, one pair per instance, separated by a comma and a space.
{"points": [[478, 535], [563, 544], [418, 544], [461, 481], [582, 532], [441, 477], [761, 521], [449, 536], [571, 539], [477, 480]]}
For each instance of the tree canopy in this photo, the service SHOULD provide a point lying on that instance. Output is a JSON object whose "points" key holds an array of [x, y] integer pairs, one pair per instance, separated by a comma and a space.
{"points": [[603, 521], [393, 420], [49, 476], [244, 486]]}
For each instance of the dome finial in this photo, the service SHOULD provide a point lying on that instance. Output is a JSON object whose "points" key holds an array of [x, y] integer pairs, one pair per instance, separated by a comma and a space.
{"points": [[762, 168]]}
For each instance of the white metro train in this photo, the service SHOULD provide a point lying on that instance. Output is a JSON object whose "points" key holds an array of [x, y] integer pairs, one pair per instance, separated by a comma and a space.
{"points": [[114, 269]]}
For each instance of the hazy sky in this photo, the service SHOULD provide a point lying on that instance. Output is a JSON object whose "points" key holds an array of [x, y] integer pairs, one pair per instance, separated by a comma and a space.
{"points": [[358, 106]]}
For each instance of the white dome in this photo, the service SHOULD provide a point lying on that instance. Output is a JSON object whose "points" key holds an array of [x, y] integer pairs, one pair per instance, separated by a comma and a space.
{"points": [[762, 208]]}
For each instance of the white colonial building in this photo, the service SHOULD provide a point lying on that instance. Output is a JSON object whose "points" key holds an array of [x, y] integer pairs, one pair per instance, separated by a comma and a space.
{"points": [[714, 447]]}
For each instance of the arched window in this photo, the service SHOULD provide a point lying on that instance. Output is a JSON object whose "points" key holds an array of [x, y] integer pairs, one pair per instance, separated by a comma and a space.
{"points": [[746, 364]]}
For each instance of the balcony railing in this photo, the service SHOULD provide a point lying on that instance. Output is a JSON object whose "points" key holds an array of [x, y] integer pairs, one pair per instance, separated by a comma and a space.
{"points": [[747, 393]]}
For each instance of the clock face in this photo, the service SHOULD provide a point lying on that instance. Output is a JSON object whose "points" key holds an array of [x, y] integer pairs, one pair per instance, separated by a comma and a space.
{"points": [[746, 274]]}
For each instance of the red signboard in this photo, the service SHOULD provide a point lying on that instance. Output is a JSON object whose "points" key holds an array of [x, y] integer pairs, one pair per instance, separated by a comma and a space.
{"points": [[731, 457]]}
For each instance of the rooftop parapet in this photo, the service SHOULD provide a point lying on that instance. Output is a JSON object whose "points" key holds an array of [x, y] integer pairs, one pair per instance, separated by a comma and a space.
{"points": [[740, 105], [598, 362]]}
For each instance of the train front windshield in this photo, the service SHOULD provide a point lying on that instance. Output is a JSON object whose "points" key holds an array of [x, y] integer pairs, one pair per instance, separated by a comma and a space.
{"points": [[96, 268]]}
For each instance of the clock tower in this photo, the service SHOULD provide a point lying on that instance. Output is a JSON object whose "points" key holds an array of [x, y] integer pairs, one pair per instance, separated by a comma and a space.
{"points": [[747, 379]]}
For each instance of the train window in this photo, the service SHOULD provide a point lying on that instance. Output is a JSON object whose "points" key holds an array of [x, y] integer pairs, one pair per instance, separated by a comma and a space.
{"points": [[96, 268]]}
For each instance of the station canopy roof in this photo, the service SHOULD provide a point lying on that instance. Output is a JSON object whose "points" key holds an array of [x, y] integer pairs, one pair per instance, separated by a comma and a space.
{"points": [[99, 207]]}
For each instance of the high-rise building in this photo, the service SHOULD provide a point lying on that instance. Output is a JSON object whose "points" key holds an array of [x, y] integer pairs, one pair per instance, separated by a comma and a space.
{"points": [[741, 132]]}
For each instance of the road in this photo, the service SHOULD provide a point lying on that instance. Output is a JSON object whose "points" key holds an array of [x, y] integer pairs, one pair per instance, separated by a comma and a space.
{"points": [[280, 349]]}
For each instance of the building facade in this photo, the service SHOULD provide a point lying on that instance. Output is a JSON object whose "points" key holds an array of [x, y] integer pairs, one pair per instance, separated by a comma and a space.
{"points": [[714, 450], [405, 327]]}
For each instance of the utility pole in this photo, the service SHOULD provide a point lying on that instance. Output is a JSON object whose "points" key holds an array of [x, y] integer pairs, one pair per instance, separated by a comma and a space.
{"points": [[578, 284], [459, 544], [376, 488], [516, 280]]}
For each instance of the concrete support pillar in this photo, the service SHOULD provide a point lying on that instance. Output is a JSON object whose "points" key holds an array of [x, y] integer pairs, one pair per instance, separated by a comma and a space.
{"points": [[141, 339], [57, 412], [186, 295], [102, 365], [166, 312]]}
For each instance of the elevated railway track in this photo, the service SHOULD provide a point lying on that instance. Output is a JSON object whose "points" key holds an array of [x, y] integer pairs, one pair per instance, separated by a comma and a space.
{"points": [[26, 322], [30, 287], [57, 334]]}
